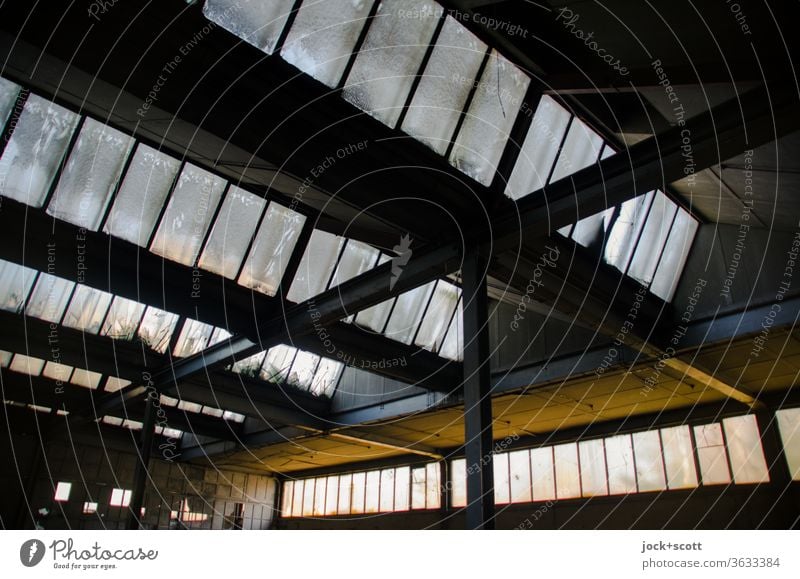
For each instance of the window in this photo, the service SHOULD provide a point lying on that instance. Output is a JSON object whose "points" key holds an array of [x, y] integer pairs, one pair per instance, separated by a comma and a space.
{"points": [[254, 21], [62, 492], [789, 426], [120, 497], [744, 449], [89, 508]]}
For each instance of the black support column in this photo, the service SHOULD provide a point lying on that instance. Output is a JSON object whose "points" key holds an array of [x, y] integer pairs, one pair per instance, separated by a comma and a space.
{"points": [[477, 390], [140, 474]]}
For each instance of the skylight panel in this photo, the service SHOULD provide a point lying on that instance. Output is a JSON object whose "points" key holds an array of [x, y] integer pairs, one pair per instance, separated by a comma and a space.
{"points": [[49, 298], [272, 248], [316, 266], [90, 175], [232, 231], [187, 406], [625, 231], [16, 282], [188, 215], [374, 318], [58, 372], [114, 384], [144, 189], [326, 377], [5, 358], [250, 366], [453, 343], [256, 22], [233, 416], [390, 57], [591, 230], [356, 259], [652, 240], [323, 36], [444, 87], [437, 318], [581, 149], [123, 319], [219, 335], [87, 309], [8, 99], [156, 328], [539, 149], [27, 365], [278, 363], [676, 252], [35, 150], [86, 378], [482, 139], [193, 338], [303, 369], [408, 313]]}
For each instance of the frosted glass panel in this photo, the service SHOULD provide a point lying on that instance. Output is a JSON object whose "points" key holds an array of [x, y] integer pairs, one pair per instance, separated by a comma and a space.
{"points": [[58, 372], [297, 498], [440, 311], [316, 266], [308, 497], [27, 365], [482, 138], [332, 495], [502, 492], [543, 474], [444, 87], [5, 358], [390, 57], [590, 230], [356, 259], [90, 175], [302, 372], [286, 498], [418, 488], [35, 150], [520, 465], [593, 468], [114, 384], [86, 378], [652, 240], [674, 257], [357, 498], [326, 377], [371, 502], [323, 36], [232, 231], [374, 318], [433, 485], [408, 312], [193, 338], [744, 448], [453, 344], [539, 149], [568, 484], [272, 248], [711, 454], [345, 492], [386, 501], [679, 457], [123, 319], [789, 426], [156, 328], [625, 231], [649, 461], [8, 98], [319, 496], [250, 366], [619, 459], [255, 21], [188, 215], [278, 363], [49, 298], [141, 196], [15, 285], [87, 309], [402, 479], [581, 149]]}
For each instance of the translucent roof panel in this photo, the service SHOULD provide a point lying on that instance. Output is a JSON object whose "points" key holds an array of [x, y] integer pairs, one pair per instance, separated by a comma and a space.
{"points": [[303, 370], [673, 260], [123, 319], [16, 282], [58, 372], [591, 230], [356, 258], [581, 148], [374, 318], [144, 189], [49, 298], [114, 384], [219, 335], [193, 338], [326, 377], [257, 22], [277, 363], [250, 366], [8, 99], [482, 138], [625, 231], [272, 248], [188, 215], [444, 87], [5, 358], [323, 36], [35, 150], [26, 365], [652, 240], [390, 57], [408, 313], [232, 231], [539, 149], [87, 309], [90, 175], [453, 343], [316, 266], [86, 378], [156, 328], [437, 318]]}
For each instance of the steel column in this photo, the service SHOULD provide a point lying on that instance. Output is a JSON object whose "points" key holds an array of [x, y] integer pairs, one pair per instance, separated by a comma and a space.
{"points": [[141, 473]]}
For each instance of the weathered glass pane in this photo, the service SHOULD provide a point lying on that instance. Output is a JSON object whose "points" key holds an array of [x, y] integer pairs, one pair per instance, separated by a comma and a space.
{"points": [[519, 463], [437, 317], [543, 474], [625, 231], [654, 236], [502, 483], [679, 457], [156, 328], [316, 266], [581, 149], [673, 260], [326, 377], [711, 454], [86, 378], [123, 319], [402, 481], [193, 338], [257, 22], [593, 468], [16, 282], [744, 448], [278, 363], [568, 477], [27, 365], [49, 298], [789, 426], [408, 312], [87, 309], [621, 468], [387, 490], [302, 372]]}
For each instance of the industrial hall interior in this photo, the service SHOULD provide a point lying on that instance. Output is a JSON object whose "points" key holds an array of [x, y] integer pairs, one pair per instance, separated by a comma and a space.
{"points": [[399, 264]]}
